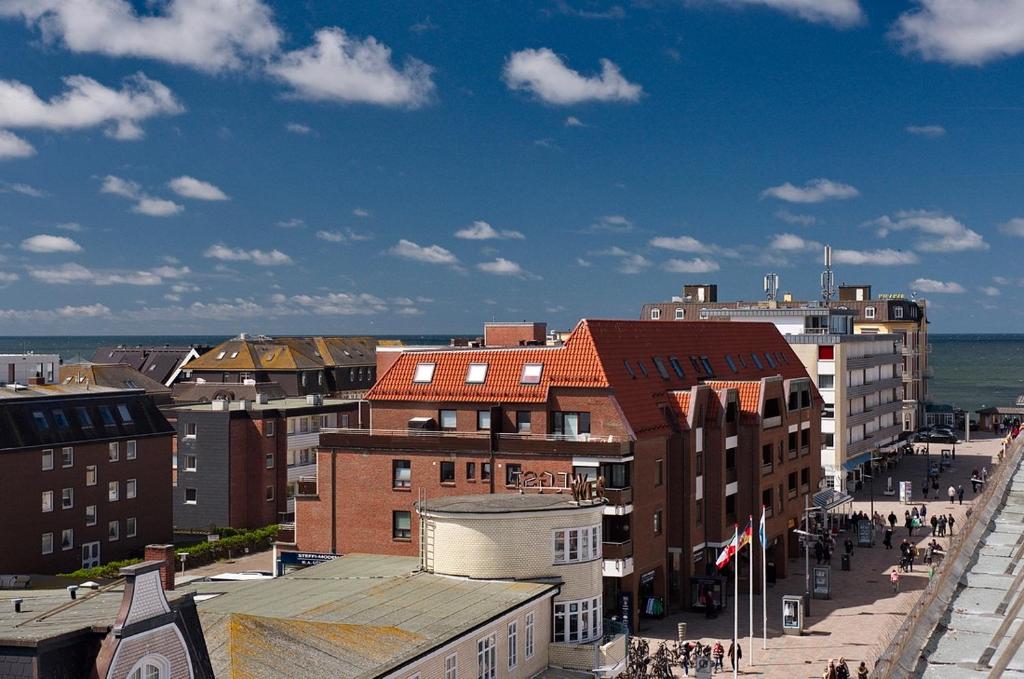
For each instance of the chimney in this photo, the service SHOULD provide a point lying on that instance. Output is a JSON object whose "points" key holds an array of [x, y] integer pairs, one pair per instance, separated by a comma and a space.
{"points": [[220, 404], [73, 591], [166, 555]]}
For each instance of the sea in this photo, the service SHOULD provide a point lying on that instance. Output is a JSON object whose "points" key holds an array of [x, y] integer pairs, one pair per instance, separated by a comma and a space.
{"points": [[971, 371]]}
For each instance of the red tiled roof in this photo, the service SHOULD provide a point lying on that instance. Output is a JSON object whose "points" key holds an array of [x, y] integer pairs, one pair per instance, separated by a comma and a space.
{"points": [[596, 355], [749, 392]]}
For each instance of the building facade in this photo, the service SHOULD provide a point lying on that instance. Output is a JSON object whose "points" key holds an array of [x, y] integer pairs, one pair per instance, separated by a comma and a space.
{"points": [[89, 470], [29, 368], [644, 406], [239, 463]]}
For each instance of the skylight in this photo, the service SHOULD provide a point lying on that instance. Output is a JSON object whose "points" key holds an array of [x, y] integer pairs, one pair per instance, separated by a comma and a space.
{"points": [[660, 365], [234, 354], [732, 364], [531, 373], [629, 369], [424, 373], [756, 361], [771, 361], [676, 366], [643, 368], [477, 373], [221, 355], [707, 365]]}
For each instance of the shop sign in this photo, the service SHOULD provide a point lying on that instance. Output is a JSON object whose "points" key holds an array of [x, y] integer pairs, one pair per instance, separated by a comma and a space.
{"points": [[647, 578]]}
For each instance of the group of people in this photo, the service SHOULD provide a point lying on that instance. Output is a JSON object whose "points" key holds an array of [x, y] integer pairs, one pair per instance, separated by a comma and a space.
{"points": [[978, 480], [838, 669], [690, 652]]}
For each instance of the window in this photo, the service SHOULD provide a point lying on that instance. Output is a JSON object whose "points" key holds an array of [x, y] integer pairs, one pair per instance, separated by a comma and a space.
{"points": [[699, 512], [471, 471], [731, 363], [826, 381], [130, 450], [659, 365], [531, 373], [486, 650], [573, 545], [268, 460], [512, 473], [451, 666], [771, 360], [131, 488], [114, 450], [447, 420], [766, 500], [220, 356], [67, 457], [578, 621], [523, 422], [191, 496], [126, 416], [107, 416], [67, 498], [190, 463], [61, 419], [485, 471], [47, 543], [268, 428], [513, 644], [828, 440], [655, 314], [47, 500], [447, 472], [90, 475], [40, 420], [826, 352], [269, 494], [483, 420], [83, 418], [190, 430], [707, 366], [90, 515], [113, 531], [772, 408], [528, 647], [757, 361], [897, 312], [869, 312], [150, 667], [130, 527], [704, 314], [643, 368], [629, 369], [657, 522], [401, 525], [401, 474], [424, 373], [67, 539], [47, 460], [805, 477], [113, 491], [477, 373], [616, 474], [680, 314], [677, 367], [570, 424], [658, 465]]}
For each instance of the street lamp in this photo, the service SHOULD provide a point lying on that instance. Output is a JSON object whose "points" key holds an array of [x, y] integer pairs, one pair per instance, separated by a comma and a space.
{"points": [[806, 535]]}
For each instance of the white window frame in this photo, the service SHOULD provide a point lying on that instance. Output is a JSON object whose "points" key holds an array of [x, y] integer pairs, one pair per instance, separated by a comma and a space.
{"points": [[587, 615], [131, 527], [191, 430], [91, 475], [113, 531], [113, 491], [680, 314], [513, 644], [114, 451], [528, 641], [269, 493], [195, 463], [655, 314], [69, 493], [268, 428], [160, 663], [130, 450], [455, 420], [131, 488], [46, 543], [47, 461], [869, 312], [451, 666], [897, 312], [268, 460], [587, 547], [476, 373], [47, 501], [90, 509], [195, 501], [487, 657], [70, 532], [424, 373], [69, 455], [532, 373]]}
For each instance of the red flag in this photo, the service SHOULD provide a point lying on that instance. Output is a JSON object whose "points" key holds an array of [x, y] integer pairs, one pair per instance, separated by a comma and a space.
{"points": [[728, 550]]}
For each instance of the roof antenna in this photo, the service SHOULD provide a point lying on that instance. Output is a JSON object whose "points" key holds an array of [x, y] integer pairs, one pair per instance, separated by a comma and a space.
{"points": [[828, 280], [771, 287]]}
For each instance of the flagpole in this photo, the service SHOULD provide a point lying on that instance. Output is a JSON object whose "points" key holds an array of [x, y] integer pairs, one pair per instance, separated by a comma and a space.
{"points": [[750, 579], [763, 535], [735, 604]]}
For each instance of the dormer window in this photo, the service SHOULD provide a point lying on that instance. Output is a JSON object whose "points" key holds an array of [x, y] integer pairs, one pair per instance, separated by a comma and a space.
{"points": [[531, 373], [655, 314], [869, 312], [424, 373], [680, 314], [477, 373]]}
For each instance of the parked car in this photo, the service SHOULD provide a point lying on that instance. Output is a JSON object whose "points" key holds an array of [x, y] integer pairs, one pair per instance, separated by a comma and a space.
{"points": [[940, 437]]}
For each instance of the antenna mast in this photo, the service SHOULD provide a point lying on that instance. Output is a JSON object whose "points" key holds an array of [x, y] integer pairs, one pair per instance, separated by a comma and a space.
{"points": [[771, 287], [828, 281]]}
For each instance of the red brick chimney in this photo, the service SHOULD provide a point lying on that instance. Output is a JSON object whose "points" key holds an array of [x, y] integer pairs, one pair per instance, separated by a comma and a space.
{"points": [[166, 555]]}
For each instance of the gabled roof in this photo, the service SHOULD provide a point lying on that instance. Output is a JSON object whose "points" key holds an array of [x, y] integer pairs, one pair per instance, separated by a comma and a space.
{"points": [[117, 375], [749, 393], [287, 353], [639, 362]]}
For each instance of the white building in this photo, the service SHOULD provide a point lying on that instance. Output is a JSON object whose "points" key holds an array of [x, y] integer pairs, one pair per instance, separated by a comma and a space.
{"points": [[20, 368]]}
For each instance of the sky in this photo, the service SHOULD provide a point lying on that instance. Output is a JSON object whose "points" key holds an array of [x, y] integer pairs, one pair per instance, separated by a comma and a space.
{"points": [[218, 166]]}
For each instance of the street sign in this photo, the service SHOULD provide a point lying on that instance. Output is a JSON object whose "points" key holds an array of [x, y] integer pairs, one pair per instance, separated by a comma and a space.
{"points": [[865, 533], [906, 492], [703, 667], [822, 583]]}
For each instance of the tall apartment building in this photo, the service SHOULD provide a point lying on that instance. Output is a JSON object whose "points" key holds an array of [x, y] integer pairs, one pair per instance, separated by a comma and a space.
{"points": [[85, 474], [859, 375], [691, 427], [25, 368], [239, 463]]}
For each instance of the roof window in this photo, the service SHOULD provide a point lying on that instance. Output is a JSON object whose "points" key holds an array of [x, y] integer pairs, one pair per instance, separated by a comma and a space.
{"points": [[771, 360], [707, 366], [126, 416], [643, 368], [732, 364], [477, 373], [629, 369], [152, 367], [677, 367], [424, 373], [531, 373], [40, 419], [221, 355], [83, 418], [107, 416], [61, 419], [757, 361], [234, 354], [660, 365]]}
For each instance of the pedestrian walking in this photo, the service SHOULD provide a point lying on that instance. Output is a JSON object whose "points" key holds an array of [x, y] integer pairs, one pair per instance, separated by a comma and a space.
{"points": [[952, 494], [909, 524], [935, 524], [950, 520], [842, 669], [975, 480], [892, 520], [914, 514], [924, 489], [862, 670], [819, 552], [887, 540], [717, 654], [984, 475], [685, 657], [942, 526], [830, 670], [894, 578], [924, 511], [735, 654]]}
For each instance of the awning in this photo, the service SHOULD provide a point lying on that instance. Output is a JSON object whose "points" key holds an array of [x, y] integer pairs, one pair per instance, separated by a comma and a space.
{"points": [[830, 499], [857, 460]]}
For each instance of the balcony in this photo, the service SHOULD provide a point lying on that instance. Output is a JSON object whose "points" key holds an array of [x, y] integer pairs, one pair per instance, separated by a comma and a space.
{"points": [[617, 550], [617, 568], [309, 439], [476, 441], [770, 422], [767, 469], [619, 496], [580, 444], [611, 653], [793, 453], [305, 486]]}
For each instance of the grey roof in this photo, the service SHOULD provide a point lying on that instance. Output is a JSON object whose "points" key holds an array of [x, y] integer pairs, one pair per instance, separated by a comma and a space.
{"points": [[278, 404], [358, 616], [503, 503]]}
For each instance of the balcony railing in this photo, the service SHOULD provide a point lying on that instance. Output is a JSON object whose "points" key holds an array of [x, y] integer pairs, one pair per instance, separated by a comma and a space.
{"points": [[770, 422], [793, 453], [305, 486], [617, 550], [767, 468], [619, 496], [476, 440]]}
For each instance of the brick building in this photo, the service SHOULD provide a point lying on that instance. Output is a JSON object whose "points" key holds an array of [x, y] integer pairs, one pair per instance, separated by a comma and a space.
{"points": [[85, 473], [238, 463], [691, 426]]}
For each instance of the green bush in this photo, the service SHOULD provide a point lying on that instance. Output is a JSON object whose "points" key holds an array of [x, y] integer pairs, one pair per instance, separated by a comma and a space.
{"points": [[105, 572]]}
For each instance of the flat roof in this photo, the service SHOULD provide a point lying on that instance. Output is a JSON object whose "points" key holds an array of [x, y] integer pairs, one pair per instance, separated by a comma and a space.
{"points": [[59, 390], [502, 503], [292, 403], [355, 617]]}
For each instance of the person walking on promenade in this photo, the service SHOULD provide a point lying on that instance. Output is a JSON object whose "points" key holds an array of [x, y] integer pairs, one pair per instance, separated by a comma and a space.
{"points": [[960, 493], [908, 523], [819, 552], [924, 511], [887, 540], [862, 670], [950, 520], [718, 653], [924, 489], [942, 526], [914, 514], [735, 655], [952, 495], [894, 578], [975, 480], [830, 670], [684, 657], [892, 520], [935, 524], [842, 669], [984, 475]]}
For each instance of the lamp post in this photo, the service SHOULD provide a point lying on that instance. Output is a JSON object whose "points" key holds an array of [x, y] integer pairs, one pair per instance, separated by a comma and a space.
{"points": [[806, 536]]}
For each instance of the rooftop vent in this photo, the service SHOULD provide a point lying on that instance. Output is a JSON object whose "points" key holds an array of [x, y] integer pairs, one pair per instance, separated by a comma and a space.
{"points": [[220, 404], [17, 605], [73, 591]]}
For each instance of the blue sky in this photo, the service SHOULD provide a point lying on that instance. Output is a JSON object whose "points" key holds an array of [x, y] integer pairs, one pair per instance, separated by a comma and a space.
{"points": [[194, 166]]}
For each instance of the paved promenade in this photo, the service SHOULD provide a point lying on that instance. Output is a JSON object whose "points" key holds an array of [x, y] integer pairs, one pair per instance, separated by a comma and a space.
{"points": [[863, 613]]}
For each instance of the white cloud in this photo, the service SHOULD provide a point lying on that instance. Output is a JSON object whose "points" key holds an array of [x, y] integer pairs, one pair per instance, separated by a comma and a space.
{"points": [[190, 187], [1014, 227], [790, 242], [23, 189], [172, 271], [813, 191], [344, 236], [7, 277], [87, 311], [13, 146], [695, 265], [791, 218], [582, 262], [926, 130], [144, 203], [338, 303], [292, 223], [86, 103], [361, 213], [543, 73], [961, 31], [338, 67], [931, 285], [47, 243], [990, 291], [480, 230], [611, 224], [504, 267], [633, 264], [679, 244], [71, 226], [573, 121], [838, 13], [260, 257], [430, 254], [886, 257], [298, 128], [70, 274], [209, 35], [940, 233]]}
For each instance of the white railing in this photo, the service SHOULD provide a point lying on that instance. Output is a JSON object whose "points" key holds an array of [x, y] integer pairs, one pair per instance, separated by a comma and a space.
{"points": [[593, 438], [510, 436]]}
